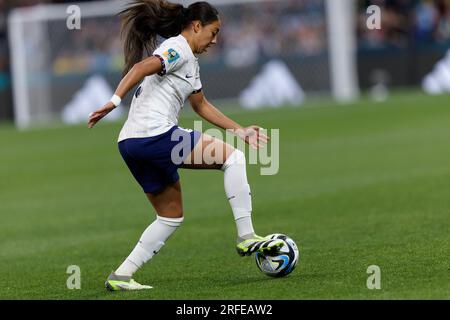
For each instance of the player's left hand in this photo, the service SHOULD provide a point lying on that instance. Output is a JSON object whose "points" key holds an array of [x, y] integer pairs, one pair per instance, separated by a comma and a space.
{"points": [[97, 115], [253, 136]]}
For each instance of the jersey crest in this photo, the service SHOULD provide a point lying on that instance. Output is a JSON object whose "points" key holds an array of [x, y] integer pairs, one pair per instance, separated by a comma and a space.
{"points": [[171, 55]]}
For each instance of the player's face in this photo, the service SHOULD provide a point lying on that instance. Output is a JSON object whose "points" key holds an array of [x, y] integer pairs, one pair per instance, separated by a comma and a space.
{"points": [[207, 36]]}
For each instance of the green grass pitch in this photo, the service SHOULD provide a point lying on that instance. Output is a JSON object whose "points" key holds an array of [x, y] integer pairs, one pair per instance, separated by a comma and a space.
{"points": [[359, 185]]}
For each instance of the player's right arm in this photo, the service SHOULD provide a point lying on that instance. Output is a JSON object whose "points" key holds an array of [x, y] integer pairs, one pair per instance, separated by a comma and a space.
{"points": [[136, 74]]}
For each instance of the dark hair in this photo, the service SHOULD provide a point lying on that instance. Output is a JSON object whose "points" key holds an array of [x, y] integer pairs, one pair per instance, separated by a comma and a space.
{"points": [[144, 20]]}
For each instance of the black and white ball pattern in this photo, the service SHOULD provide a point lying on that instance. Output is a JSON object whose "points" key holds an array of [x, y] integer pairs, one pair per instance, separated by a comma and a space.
{"points": [[279, 263]]}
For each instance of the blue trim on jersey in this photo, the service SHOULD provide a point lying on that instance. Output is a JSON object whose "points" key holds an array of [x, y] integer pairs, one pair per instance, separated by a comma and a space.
{"points": [[163, 64]]}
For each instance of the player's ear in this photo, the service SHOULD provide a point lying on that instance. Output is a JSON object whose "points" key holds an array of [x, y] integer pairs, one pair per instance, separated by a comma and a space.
{"points": [[197, 26]]}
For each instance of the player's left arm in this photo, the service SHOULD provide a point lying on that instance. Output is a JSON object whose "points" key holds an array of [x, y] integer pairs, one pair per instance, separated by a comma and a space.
{"points": [[137, 73], [210, 113]]}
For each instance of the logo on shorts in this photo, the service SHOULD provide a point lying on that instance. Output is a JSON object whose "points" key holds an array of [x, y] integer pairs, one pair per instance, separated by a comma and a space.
{"points": [[171, 55]]}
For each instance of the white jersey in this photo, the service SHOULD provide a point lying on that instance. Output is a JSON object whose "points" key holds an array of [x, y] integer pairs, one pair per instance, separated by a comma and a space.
{"points": [[158, 100]]}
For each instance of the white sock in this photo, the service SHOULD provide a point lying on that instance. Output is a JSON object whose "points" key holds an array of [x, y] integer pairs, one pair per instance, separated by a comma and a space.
{"points": [[238, 193], [151, 241]]}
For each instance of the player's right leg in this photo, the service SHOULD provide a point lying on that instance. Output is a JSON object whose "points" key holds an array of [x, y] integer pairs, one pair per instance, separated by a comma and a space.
{"points": [[212, 153], [168, 205], [160, 181]]}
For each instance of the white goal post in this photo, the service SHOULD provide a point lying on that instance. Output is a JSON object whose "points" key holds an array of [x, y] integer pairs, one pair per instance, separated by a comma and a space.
{"points": [[21, 22], [341, 22]]}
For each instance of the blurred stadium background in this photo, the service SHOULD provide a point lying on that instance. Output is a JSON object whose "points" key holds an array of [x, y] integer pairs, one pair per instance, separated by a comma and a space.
{"points": [[44, 62], [360, 182]]}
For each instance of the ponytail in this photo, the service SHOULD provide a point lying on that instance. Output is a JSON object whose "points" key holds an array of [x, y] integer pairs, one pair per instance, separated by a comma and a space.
{"points": [[144, 20]]}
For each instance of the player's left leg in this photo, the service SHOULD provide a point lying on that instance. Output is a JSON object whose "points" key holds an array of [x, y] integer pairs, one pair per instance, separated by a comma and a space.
{"points": [[212, 153]]}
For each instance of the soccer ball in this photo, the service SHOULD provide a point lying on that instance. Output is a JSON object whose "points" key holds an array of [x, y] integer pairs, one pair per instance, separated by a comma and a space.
{"points": [[281, 262]]}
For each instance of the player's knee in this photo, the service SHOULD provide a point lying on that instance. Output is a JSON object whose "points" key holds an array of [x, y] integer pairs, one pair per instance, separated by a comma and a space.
{"points": [[236, 157], [173, 222]]}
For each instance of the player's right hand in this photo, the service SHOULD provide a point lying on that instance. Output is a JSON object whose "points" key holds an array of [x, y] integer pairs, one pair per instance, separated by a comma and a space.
{"points": [[97, 115], [253, 136]]}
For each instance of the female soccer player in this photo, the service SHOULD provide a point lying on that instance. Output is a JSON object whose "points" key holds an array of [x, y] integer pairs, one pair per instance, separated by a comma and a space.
{"points": [[170, 76]]}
